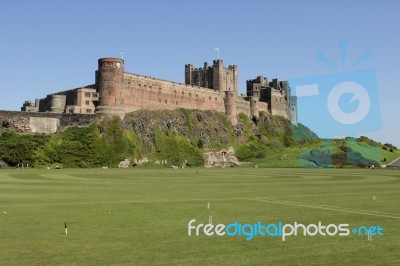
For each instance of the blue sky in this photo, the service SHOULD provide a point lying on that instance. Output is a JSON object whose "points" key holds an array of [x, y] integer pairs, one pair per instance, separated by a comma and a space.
{"points": [[49, 46]]}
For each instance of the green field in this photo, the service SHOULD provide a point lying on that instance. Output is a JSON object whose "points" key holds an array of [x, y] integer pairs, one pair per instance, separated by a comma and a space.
{"points": [[140, 216]]}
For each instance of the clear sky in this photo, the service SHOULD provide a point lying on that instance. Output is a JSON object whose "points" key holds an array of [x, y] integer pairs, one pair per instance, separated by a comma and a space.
{"points": [[50, 46]]}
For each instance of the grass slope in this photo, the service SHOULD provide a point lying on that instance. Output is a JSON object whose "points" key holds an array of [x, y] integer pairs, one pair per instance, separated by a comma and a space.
{"points": [[140, 216]]}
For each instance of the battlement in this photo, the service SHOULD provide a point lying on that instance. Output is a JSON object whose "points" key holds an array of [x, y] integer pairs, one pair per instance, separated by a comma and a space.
{"points": [[215, 77], [276, 94], [218, 62]]}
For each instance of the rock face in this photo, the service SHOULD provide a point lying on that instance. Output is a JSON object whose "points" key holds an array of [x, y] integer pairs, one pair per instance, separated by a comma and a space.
{"points": [[137, 162], [125, 163], [207, 126], [2, 164], [222, 158]]}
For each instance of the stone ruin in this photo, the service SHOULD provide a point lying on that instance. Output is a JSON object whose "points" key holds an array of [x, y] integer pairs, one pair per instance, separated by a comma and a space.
{"points": [[127, 162], [222, 158]]}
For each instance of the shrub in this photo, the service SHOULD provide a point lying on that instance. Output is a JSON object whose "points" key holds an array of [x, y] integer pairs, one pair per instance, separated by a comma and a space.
{"points": [[255, 149], [16, 149], [176, 150]]}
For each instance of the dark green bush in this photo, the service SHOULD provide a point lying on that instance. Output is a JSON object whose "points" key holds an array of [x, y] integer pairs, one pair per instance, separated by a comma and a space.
{"points": [[254, 149]]}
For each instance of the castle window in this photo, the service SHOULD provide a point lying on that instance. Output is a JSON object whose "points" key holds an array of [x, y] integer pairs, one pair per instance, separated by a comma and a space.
{"points": [[87, 102], [197, 95], [183, 93], [166, 101], [175, 91], [190, 94], [88, 111], [176, 103], [159, 100], [95, 95], [87, 94], [215, 98], [209, 98]]}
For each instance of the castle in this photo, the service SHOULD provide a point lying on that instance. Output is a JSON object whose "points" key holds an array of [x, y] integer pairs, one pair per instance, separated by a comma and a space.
{"points": [[215, 87]]}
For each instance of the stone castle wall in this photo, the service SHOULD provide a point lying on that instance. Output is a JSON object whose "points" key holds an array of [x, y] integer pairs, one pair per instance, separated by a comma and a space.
{"points": [[279, 104], [243, 106], [40, 122], [142, 92], [263, 107]]}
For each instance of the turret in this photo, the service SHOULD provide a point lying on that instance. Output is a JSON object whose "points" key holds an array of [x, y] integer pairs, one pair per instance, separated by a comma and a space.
{"points": [[189, 68], [110, 86], [232, 74], [57, 103], [218, 75], [254, 112], [230, 106]]}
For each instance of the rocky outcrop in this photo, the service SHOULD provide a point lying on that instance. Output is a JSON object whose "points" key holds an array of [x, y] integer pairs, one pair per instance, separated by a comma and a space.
{"points": [[203, 126], [136, 162], [125, 163], [18, 124], [222, 158], [2, 164]]}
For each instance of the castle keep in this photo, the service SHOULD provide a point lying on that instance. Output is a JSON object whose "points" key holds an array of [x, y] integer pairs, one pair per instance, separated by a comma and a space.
{"points": [[215, 87]]}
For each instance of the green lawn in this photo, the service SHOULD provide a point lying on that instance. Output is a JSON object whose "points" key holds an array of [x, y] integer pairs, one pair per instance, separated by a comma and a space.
{"points": [[140, 216]]}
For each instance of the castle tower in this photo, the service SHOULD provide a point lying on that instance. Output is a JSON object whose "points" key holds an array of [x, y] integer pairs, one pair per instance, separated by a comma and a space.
{"points": [[189, 68], [284, 86], [232, 78], [230, 106], [57, 103], [254, 106], [218, 75], [110, 85]]}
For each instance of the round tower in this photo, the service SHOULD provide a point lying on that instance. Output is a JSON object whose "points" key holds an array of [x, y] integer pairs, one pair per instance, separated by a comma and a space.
{"points": [[110, 86], [254, 106], [230, 106], [57, 103]]}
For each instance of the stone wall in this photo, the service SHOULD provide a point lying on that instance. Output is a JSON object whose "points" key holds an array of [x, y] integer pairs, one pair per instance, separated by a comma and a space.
{"points": [[142, 92], [30, 122], [223, 158], [262, 106], [243, 106], [279, 104]]}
